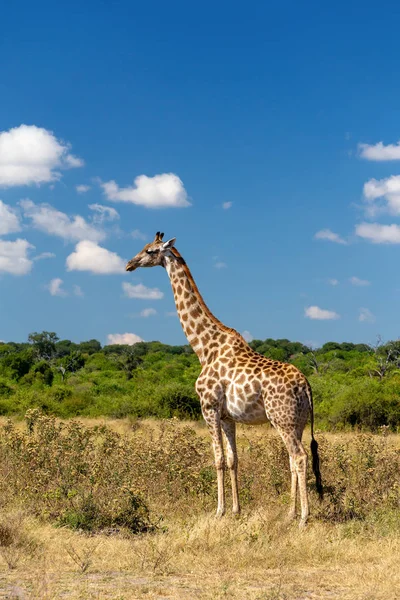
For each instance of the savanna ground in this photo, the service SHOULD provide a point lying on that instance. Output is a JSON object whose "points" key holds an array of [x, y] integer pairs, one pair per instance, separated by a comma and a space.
{"points": [[125, 510]]}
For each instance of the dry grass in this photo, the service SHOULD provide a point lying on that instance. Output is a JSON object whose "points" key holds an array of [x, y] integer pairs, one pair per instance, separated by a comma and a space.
{"points": [[258, 556]]}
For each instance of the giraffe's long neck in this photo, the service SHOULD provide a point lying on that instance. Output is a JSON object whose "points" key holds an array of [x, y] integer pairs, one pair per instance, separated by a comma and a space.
{"points": [[203, 330]]}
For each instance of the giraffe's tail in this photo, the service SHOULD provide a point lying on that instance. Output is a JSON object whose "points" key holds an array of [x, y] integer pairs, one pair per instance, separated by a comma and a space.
{"points": [[314, 449]]}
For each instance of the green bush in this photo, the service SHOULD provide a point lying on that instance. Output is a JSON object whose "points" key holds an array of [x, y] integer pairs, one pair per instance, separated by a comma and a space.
{"points": [[179, 400]]}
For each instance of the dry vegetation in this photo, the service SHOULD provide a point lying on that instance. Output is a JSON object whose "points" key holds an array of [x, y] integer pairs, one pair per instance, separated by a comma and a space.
{"points": [[122, 512]]}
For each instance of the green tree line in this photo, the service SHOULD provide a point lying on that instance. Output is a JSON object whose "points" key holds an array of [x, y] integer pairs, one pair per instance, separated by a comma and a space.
{"points": [[354, 385]]}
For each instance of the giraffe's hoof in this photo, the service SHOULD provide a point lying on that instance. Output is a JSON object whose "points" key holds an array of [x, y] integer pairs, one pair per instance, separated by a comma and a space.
{"points": [[220, 513], [290, 516], [302, 523], [236, 512]]}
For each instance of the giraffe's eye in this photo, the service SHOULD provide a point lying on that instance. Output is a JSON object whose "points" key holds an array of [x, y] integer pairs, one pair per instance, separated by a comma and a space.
{"points": [[151, 251]]}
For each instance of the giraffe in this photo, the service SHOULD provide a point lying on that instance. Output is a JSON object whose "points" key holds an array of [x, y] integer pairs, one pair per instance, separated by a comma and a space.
{"points": [[236, 384]]}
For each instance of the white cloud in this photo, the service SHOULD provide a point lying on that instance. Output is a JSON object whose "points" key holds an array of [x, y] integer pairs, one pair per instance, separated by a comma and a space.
{"points": [[247, 336], [379, 234], [220, 265], [105, 213], [138, 235], [55, 288], [382, 195], [366, 316], [379, 151], [161, 191], [14, 257], [148, 312], [333, 282], [141, 291], [44, 255], [327, 234], [32, 155], [320, 314], [9, 221], [123, 338], [89, 256], [82, 188], [359, 282], [78, 291], [227, 205], [54, 222]]}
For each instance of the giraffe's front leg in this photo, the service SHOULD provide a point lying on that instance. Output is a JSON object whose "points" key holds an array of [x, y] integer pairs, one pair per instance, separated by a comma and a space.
{"points": [[212, 418], [229, 429]]}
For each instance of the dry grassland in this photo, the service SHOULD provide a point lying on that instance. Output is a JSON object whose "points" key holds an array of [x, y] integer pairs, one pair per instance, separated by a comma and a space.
{"points": [[350, 549]]}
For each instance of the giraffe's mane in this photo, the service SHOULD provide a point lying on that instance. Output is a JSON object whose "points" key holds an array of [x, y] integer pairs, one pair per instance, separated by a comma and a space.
{"points": [[195, 289]]}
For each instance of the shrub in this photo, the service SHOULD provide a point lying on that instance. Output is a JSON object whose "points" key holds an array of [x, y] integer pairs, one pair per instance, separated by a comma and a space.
{"points": [[71, 474], [5, 389], [179, 400]]}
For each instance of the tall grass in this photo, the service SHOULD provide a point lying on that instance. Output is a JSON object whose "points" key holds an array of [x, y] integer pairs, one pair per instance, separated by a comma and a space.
{"points": [[93, 478]]}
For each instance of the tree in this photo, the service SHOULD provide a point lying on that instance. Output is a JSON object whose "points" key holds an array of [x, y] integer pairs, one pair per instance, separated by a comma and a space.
{"points": [[19, 363], [71, 363], [89, 347], [44, 344], [65, 347], [387, 358]]}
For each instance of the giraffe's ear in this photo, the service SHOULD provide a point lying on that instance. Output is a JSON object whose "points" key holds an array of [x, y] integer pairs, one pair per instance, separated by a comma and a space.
{"points": [[169, 244]]}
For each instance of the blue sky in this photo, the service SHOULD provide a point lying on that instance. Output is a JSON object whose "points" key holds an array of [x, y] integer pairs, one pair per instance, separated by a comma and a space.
{"points": [[263, 137]]}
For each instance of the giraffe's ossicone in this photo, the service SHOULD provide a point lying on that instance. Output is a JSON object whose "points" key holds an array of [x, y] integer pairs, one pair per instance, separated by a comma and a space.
{"points": [[236, 384]]}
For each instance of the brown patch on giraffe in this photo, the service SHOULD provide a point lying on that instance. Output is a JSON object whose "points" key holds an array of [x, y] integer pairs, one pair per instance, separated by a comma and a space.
{"points": [[200, 328]]}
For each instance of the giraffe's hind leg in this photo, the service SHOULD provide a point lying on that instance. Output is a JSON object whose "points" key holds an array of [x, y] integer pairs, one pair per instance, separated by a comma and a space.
{"points": [[298, 469], [293, 490]]}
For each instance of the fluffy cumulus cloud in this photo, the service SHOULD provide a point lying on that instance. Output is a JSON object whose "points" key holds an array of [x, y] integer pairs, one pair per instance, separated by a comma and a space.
{"points": [[82, 188], [359, 282], [55, 287], [32, 155], [382, 195], [330, 236], [379, 152], [44, 255], [141, 292], [48, 219], [9, 221], [148, 312], [123, 338], [161, 191], [103, 213], [379, 234], [320, 314], [89, 256], [14, 257], [366, 316]]}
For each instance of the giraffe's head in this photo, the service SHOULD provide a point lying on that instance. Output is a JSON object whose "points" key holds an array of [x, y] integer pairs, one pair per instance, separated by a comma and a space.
{"points": [[152, 255]]}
